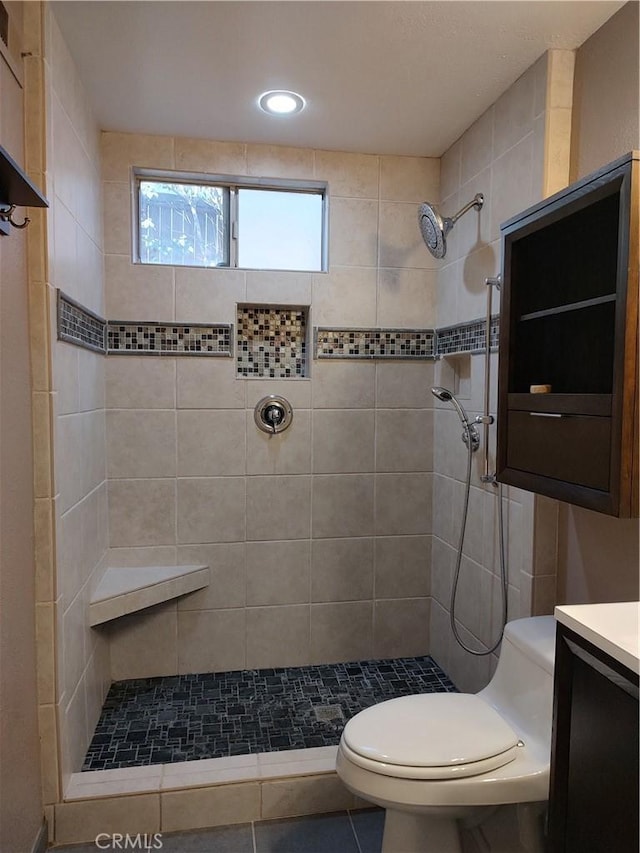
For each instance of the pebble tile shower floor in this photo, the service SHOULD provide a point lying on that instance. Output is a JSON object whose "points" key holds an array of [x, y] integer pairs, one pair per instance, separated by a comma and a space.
{"points": [[212, 715]]}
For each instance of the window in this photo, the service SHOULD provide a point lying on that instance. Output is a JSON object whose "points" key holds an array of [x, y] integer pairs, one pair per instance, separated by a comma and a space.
{"points": [[202, 221]]}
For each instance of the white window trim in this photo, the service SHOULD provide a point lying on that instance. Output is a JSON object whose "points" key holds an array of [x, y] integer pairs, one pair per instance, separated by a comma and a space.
{"points": [[231, 182]]}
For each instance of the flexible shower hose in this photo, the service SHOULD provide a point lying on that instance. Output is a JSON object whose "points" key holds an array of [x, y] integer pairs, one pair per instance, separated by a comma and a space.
{"points": [[503, 568]]}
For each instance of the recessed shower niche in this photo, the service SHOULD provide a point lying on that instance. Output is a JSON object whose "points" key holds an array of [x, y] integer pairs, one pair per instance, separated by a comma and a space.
{"points": [[272, 342]]}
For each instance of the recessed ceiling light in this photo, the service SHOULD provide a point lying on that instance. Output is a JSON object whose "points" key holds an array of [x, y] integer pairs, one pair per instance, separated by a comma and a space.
{"points": [[281, 103]]}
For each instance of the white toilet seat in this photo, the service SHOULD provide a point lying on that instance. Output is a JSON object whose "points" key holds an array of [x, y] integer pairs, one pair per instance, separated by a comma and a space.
{"points": [[430, 736]]}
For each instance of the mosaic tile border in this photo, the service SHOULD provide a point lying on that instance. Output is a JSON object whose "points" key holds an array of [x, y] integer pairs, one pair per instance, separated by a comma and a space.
{"points": [[153, 338], [374, 343], [467, 337], [77, 325], [271, 341]]}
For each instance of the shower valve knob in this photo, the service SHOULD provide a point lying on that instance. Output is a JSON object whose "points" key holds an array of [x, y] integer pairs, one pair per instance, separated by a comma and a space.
{"points": [[273, 414]]}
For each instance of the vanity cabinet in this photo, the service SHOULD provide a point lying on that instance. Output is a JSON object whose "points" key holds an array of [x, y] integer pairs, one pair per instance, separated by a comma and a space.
{"points": [[569, 321], [593, 799]]}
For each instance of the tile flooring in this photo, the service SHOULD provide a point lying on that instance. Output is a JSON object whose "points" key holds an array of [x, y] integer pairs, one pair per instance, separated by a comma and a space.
{"points": [[213, 715], [339, 832]]}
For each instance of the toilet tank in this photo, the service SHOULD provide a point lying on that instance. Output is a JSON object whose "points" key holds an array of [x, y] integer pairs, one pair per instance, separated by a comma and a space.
{"points": [[522, 686]]}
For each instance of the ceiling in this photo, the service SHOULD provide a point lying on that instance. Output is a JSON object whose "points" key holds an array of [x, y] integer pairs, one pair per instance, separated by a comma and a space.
{"points": [[379, 77]]}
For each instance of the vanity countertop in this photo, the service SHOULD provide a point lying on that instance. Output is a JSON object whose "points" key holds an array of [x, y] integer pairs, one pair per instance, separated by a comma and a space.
{"points": [[611, 627]]}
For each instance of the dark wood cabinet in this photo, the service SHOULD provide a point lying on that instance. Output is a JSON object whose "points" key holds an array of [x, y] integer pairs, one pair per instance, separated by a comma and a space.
{"points": [[569, 319], [593, 799]]}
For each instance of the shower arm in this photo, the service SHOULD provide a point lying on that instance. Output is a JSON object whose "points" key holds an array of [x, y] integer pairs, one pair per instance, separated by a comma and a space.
{"points": [[477, 202]]}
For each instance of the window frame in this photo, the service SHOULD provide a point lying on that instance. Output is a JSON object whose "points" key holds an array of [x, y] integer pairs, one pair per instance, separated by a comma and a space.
{"points": [[231, 183]]}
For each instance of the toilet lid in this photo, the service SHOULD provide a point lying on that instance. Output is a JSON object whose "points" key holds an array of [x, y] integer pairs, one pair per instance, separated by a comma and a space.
{"points": [[431, 736]]}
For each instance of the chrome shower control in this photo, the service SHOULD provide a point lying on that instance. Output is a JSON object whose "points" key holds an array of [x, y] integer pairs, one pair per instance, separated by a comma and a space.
{"points": [[273, 414]]}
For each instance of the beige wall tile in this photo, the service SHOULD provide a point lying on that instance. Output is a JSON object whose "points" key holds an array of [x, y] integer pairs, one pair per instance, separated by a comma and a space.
{"points": [[343, 505], [342, 569], [144, 644], [83, 821], [211, 640], [216, 806], [353, 230], [403, 504], [121, 151], [45, 649], [401, 628], [413, 179], [162, 555], [304, 795], [141, 383], [443, 558], [288, 452], [279, 287], [141, 512], [279, 161], [343, 441], [341, 632], [511, 187], [227, 568], [404, 385], [48, 754], [450, 171], [349, 175], [343, 385], [141, 443], [204, 383], [142, 292], [278, 572], [91, 385], [211, 443], [208, 296], [296, 391], [211, 509], [476, 148], [345, 297], [404, 440], [43, 549], [403, 566], [213, 158], [406, 298], [278, 507], [514, 113], [400, 242], [277, 636], [117, 216]]}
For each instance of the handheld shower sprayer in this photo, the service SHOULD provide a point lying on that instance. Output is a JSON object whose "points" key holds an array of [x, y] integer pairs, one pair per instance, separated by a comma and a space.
{"points": [[434, 227], [469, 430]]}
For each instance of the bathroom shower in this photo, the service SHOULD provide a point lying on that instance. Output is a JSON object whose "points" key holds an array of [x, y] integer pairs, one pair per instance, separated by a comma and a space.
{"points": [[435, 228]]}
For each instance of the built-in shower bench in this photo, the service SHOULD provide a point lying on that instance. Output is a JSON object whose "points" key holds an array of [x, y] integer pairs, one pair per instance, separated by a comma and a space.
{"points": [[126, 590]]}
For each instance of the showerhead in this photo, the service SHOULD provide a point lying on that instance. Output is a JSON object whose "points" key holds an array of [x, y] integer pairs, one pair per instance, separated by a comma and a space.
{"points": [[434, 228], [442, 394], [469, 431]]}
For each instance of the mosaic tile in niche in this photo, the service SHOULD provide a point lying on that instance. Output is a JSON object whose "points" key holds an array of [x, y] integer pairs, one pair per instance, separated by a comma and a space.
{"points": [[271, 341]]}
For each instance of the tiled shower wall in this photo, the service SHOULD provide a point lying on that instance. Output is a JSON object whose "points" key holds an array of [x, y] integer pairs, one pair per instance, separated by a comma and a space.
{"points": [[319, 538], [74, 264], [516, 153]]}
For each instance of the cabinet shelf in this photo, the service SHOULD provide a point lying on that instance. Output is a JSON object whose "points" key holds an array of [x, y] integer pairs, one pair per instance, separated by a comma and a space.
{"points": [[572, 306]]}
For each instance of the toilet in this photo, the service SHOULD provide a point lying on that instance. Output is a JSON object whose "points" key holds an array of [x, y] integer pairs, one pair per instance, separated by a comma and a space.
{"points": [[434, 759]]}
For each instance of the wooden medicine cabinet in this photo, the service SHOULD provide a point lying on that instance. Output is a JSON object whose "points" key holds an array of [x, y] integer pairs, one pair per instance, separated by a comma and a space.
{"points": [[569, 320]]}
